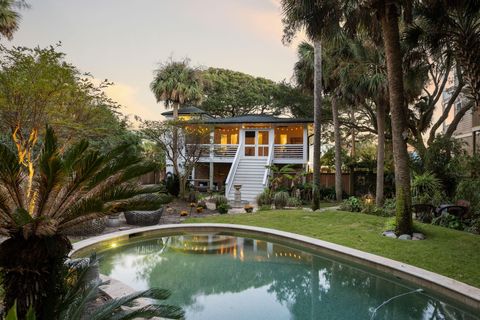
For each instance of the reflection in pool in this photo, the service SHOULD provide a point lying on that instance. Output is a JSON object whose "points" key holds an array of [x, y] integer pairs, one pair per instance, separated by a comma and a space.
{"points": [[226, 277]]}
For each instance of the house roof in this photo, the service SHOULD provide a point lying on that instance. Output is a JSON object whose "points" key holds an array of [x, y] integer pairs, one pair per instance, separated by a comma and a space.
{"points": [[255, 118], [185, 110]]}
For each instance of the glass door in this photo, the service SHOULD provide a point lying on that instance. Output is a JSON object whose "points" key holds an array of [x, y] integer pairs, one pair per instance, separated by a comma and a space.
{"points": [[256, 143], [250, 142], [262, 143]]}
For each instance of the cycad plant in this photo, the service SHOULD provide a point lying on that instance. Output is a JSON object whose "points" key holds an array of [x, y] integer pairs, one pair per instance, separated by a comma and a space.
{"points": [[44, 193]]}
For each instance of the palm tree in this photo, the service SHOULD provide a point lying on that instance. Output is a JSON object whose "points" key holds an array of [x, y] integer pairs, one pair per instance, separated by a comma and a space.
{"points": [[367, 71], [9, 17], [176, 83], [388, 13], [452, 25], [319, 19], [40, 200]]}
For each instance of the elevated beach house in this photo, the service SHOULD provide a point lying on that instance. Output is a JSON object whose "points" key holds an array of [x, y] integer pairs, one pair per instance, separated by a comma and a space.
{"points": [[239, 150]]}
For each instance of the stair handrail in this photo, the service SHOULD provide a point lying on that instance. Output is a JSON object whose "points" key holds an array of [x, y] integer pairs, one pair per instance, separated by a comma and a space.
{"points": [[233, 170], [267, 165]]}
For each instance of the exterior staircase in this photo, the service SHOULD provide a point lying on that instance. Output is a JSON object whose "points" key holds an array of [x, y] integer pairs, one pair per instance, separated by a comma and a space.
{"points": [[249, 174]]}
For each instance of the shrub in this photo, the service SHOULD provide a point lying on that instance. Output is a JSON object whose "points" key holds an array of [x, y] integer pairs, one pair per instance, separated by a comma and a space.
{"points": [[264, 198], [469, 189], [223, 208], [202, 204], [220, 200], [328, 193], [390, 207], [280, 199], [172, 183], [449, 221], [352, 204], [426, 188], [148, 202], [294, 202]]}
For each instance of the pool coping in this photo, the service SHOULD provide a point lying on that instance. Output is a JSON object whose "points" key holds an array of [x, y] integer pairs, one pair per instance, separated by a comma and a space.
{"points": [[453, 289]]}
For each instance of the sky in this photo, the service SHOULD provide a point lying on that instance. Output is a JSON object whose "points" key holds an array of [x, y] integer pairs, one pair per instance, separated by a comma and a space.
{"points": [[125, 40]]}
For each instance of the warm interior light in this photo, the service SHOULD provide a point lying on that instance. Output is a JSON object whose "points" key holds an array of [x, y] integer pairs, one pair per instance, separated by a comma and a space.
{"points": [[283, 138], [234, 138]]}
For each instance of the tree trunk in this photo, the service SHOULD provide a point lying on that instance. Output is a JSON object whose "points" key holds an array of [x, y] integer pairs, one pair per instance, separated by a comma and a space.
{"points": [[33, 271], [317, 108], [391, 38], [338, 150], [175, 163], [380, 152]]}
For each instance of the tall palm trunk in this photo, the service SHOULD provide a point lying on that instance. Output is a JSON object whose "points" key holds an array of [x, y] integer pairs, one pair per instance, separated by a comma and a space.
{"points": [[338, 150], [175, 149], [317, 104], [31, 269], [380, 152], [390, 30]]}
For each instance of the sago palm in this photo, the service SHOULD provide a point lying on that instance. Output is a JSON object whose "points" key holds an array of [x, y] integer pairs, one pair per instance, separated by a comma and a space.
{"points": [[42, 197]]}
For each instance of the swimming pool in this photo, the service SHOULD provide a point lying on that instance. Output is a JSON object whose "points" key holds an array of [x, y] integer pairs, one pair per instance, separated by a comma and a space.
{"points": [[233, 275]]}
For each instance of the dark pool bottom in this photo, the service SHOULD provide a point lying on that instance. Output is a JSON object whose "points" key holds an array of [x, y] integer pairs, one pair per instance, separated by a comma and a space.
{"points": [[217, 276]]}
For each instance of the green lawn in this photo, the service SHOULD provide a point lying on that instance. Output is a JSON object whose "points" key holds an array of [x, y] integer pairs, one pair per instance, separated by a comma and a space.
{"points": [[448, 252]]}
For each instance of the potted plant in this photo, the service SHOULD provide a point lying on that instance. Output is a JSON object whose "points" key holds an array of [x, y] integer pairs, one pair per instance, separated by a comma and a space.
{"points": [[223, 208], [248, 208], [183, 213], [199, 209]]}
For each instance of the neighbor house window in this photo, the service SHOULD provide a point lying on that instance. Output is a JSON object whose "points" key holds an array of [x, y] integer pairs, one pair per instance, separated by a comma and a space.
{"points": [[234, 138], [458, 106], [283, 138]]}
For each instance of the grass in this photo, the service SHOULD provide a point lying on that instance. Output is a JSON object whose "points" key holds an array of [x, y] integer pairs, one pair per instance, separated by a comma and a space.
{"points": [[452, 253]]}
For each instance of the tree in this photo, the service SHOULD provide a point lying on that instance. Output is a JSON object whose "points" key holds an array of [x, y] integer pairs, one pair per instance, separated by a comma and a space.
{"points": [[318, 19], [37, 86], [452, 26], [176, 83], [231, 93], [183, 155], [388, 13], [59, 188], [9, 16]]}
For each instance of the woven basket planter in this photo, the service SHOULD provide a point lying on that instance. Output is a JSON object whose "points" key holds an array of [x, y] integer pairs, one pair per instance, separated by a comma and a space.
{"points": [[87, 228], [143, 218]]}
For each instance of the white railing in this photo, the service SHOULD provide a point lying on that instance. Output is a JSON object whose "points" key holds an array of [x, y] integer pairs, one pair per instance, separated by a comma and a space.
{"points": [[217, 150], [267, 165], [233, 169], [225, 150], [288, 151]]}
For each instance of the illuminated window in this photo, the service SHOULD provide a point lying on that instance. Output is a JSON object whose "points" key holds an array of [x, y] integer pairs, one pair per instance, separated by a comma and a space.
{"points": [[224, 139], [283, 138], [234, 138]]}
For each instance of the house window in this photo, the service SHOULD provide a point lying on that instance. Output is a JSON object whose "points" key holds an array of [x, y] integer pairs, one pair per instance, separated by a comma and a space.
{"points": [[458, 106], [283, 138], [234, 138], [224, 139]]}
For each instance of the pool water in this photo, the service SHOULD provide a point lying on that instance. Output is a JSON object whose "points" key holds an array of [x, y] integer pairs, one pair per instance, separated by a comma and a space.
{"points": [[214, 276]]}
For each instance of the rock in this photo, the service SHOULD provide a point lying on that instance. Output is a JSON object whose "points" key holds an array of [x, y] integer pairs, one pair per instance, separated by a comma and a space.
{"points": [[405, 237], [389, 234], [418, 236], [308, 209]]}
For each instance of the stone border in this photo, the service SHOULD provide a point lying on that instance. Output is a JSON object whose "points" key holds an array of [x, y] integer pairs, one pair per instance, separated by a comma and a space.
{"points": [[453, 289]]}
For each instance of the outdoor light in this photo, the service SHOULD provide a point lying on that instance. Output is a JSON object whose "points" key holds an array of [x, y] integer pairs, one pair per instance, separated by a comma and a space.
{"points": [[369, 199]]}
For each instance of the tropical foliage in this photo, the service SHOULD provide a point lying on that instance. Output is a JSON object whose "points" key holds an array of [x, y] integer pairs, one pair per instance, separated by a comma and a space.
{"points": [[45, 192]]}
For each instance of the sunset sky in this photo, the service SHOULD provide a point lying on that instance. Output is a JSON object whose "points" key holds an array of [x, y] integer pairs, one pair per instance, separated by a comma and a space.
{"points": [[124, 40]]}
